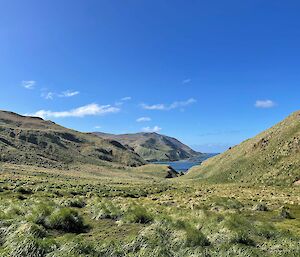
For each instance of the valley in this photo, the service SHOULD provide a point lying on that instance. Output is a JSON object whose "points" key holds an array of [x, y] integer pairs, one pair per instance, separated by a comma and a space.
{"points": [[94, 206], [87, 211], [149, 128]]}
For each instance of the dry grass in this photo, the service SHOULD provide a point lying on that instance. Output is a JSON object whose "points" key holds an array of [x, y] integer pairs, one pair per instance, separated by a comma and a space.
{"points": [[129, 213]]}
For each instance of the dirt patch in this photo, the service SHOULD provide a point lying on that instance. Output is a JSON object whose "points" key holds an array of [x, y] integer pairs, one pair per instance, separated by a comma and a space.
{"points": [[297, 183]]}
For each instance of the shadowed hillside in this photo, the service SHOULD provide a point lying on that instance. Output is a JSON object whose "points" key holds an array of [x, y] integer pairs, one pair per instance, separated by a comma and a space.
{"points": [[32, 140], [153, 146], [272, 157]]}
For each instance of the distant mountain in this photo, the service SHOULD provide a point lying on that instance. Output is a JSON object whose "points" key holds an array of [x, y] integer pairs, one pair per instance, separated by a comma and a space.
{"points": [[32, 140], [153, 146], [272, 157]]}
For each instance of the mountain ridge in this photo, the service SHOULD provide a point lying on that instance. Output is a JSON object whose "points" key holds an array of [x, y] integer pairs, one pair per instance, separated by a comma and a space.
{"points": [[33, 140], [153, 146]]}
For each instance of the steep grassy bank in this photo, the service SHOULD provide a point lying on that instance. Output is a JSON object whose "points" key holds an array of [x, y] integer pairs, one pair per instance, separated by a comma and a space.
{"points": [[271, 158]]}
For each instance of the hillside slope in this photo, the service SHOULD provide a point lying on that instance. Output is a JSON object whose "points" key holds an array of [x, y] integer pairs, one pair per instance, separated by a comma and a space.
{"points": [[31, 140], [153, 146], [272, 157]]}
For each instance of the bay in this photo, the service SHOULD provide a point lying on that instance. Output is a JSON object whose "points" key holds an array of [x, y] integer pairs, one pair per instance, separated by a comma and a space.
{"points": [[185, 165]]}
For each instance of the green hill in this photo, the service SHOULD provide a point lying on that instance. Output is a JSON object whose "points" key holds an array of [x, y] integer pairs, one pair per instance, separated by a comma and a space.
{"points": [[153, 146], [32, 140], [272, 157]]}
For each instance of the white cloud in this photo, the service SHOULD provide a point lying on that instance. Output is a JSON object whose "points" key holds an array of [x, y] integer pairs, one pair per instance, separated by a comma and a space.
{"points": [[174, 105], [48, 95], [143, 119], [182, 103], [122, 100], [264, 104], [28, 84], [154, 107], [97, 127], [86, 110], [186, 81], [150, 130], [68, 93], [126, 98]]}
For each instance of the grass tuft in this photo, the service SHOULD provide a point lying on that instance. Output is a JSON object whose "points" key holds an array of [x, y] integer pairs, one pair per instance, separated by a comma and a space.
{"points": [[67, 220], [137, 214]]}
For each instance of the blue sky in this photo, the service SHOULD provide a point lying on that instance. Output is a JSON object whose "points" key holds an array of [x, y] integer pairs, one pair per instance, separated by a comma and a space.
{"points": [[211, 73]]}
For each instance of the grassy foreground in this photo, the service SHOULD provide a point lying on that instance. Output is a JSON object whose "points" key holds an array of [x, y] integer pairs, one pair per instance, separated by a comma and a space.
{"points": [[92, 211]]}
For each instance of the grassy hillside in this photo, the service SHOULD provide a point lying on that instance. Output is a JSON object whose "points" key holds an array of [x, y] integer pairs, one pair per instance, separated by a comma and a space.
{"points": [[31, 140], [153, 146], [88, 210], [272, 157], [92, 211]]}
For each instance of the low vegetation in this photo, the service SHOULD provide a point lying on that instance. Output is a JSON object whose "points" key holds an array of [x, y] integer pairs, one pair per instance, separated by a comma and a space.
{"points": [[81, 212], [270, 158]]}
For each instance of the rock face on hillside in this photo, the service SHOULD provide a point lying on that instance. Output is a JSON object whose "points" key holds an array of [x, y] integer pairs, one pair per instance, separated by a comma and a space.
{"points": [[272, 157], [153, 146], [31, 140]]}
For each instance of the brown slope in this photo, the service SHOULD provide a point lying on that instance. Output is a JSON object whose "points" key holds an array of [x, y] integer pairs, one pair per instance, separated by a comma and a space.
{"points": [[31, 140], [153, 146]]}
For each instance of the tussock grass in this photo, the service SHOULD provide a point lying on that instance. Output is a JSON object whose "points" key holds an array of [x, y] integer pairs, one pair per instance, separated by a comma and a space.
{"points": [[77, 202], [67, 220], [137, 214], [40, 212], [74, 247], [106, 210], [26, 239], [80, 214]]}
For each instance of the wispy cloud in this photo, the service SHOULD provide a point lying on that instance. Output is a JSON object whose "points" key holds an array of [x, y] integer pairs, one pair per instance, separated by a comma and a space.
{"points": [[143, 119], [126, 98], [186, 81], [28, 84], [86, 110], [48, 95], [97, 127], [68, 93], [153, 129], [264, 104], [122, 100], [154, 107], [165, 107]]}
